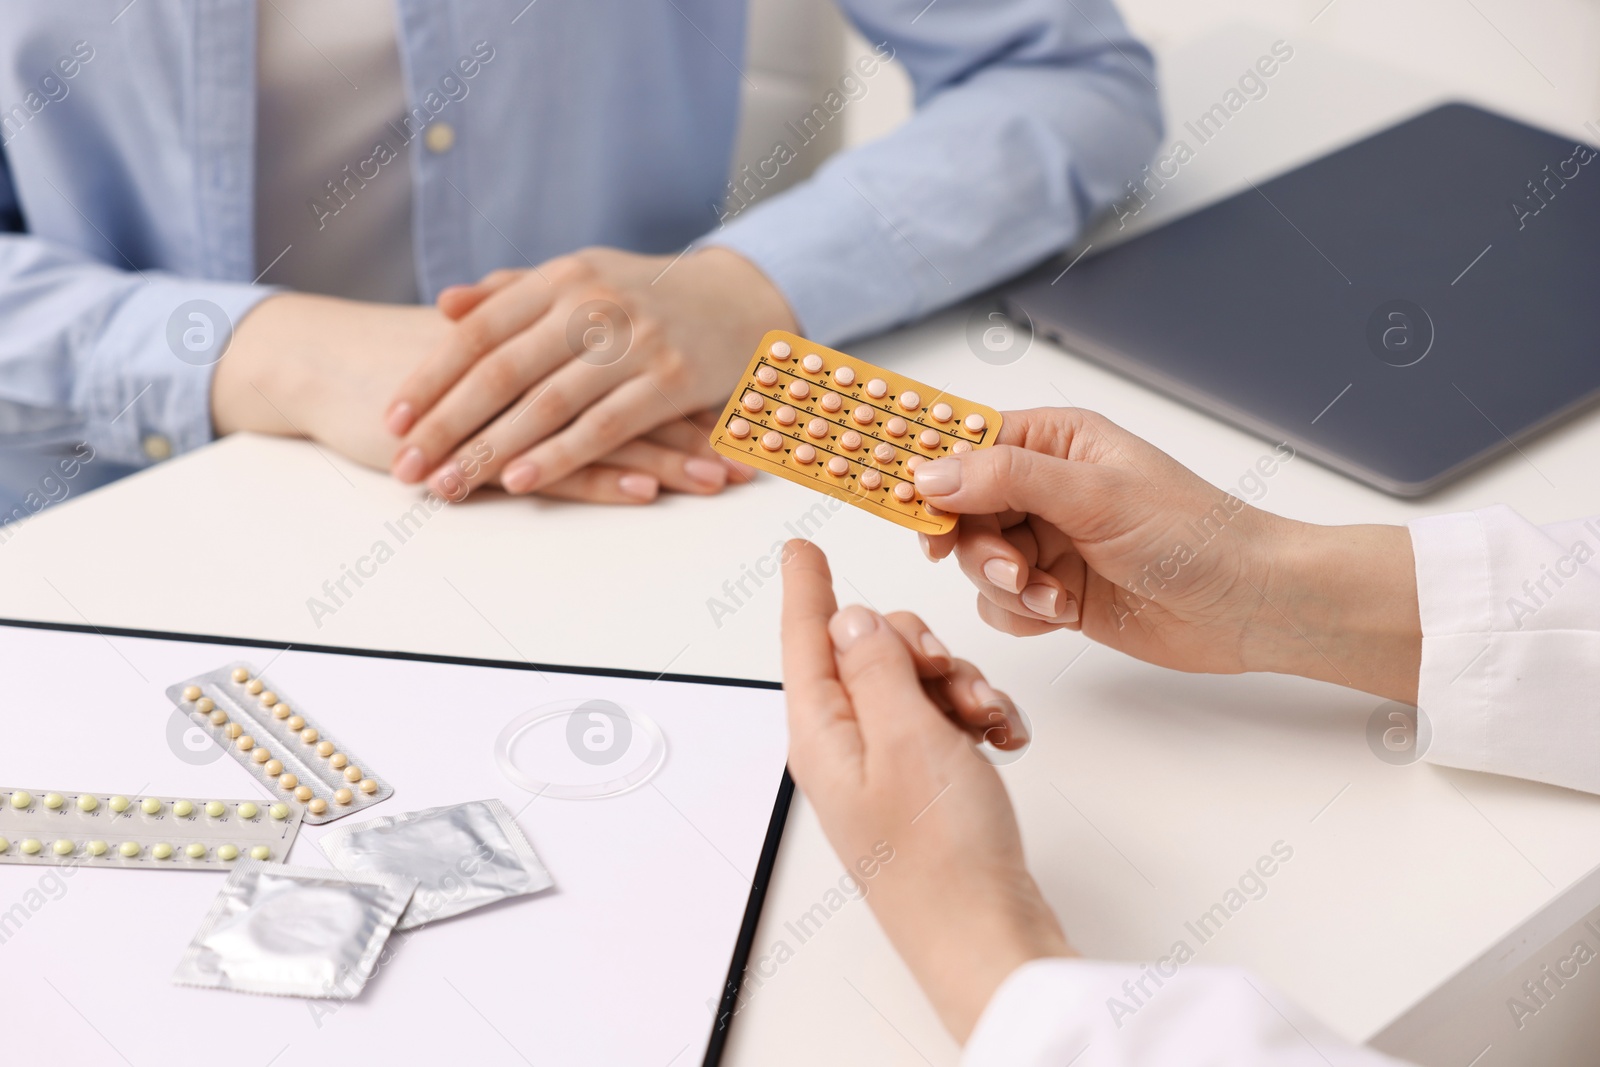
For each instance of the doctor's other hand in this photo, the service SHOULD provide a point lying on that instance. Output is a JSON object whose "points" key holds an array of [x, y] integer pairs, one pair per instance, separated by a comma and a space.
{"points": [[1069, 521], [556, 366], [882, 726]]}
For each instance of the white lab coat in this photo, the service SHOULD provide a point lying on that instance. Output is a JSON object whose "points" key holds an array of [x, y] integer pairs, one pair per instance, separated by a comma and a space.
{"points": [[1510, 668]]}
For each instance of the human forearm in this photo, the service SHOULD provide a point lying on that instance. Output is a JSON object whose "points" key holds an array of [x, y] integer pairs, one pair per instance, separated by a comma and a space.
{"points": [[1339, 604]]}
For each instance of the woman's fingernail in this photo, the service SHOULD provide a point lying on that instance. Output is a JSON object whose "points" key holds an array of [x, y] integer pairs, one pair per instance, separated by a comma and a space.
{"points": [[850, 625], [1041, 599], [738, 472], [706, 471], [991, 698], [933, 648], [1069, 611], [927, 547], [941, 477], [410, 466], [448, 483], [1004, 573], [520, 477], [400, 418], [639, 486]]}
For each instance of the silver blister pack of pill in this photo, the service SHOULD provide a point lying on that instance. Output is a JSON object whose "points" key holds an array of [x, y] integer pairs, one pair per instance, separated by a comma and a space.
{"points": [[142, 831], [294, 931], [278, 743], [463, 856]]}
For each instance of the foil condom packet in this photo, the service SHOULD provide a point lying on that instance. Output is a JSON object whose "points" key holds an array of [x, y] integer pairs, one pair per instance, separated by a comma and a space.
{"points": [[463, 856], [294, 931]]}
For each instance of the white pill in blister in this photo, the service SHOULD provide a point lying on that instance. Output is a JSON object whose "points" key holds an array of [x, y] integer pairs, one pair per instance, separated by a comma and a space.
{"points": [[941, 412], [785, 415], [863, 415], [772, 440], [845, 376], [812, 363], [838, 466], [766, 376], [739, 428], [833, 403], [871, 479], [779, 350], [928, 439], [884, 453], [896, 427], [903, 492], [974, 423], [849, 440], [799, 390], [877, 389], [909, 400], [805, 455], [754, 403], [817, 428]]}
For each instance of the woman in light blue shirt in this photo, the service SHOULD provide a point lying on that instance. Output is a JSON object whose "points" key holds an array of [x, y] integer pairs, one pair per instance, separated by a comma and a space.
{"points": [[519, 165]]}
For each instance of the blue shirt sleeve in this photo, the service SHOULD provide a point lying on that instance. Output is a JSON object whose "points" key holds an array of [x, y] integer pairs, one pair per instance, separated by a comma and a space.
{"points": [[1031, 115], [84, 354]]}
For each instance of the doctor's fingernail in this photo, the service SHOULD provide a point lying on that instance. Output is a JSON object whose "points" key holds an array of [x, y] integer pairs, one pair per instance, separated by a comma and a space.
{"points": [[520, 477], [1004, 573], [1041, 599], [934, 649], [706, 471], [639, 486], [410, 466], [851, 624], [400, 418], [940, 477]]}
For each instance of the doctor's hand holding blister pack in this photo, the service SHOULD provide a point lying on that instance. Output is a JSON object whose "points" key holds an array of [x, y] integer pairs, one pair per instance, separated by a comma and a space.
{"points": [[1070, 522]]}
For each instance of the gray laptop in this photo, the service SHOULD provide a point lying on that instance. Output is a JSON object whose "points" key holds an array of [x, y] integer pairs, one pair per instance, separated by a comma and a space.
{"points": [[1401, 310]]}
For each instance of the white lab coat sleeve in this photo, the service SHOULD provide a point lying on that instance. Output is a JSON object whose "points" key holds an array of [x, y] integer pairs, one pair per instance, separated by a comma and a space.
{"points": [[1055, 1012], [1510, 678]]}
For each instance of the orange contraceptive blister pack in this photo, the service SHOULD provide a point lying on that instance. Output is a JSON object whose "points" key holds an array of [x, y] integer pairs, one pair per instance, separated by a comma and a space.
{"points": [[854, 431]]}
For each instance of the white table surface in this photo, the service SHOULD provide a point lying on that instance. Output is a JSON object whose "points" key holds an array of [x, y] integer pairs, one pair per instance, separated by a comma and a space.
{"points": [[1145, 794]]}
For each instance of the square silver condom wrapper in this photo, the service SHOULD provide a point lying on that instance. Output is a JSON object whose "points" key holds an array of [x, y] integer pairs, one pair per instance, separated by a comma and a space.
{"points": [[294, 931], [463, 856]]}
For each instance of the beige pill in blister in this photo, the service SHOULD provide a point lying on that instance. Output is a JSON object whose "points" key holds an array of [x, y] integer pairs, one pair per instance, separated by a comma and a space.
{"points": [[845, 376], [262, 755], [205, 705], [245, 743], [812, 363], [273, 767], [368, 786], [241, 675], [884, 452], [896, 427], [864, 415], [871, 479], [772, 440], [838, 466], [799, 390], [352, 773], [324, 749], [191, 692], [739, 428], [833, 403], [269, 698], [974, 423], [338, 760], [849, 440], [766, 376], [785, 415], [233, 730], [343, 796], [903, 492], [754, 403], [928, 439], [295, 723], [218, 717], [317, 806], [779, 350], [910, 400], [942, 412], [254, 687], [877, 389], [280, 710], [288, 780], [309, 735], [817, 428], [302, 793], [805, 455]]}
